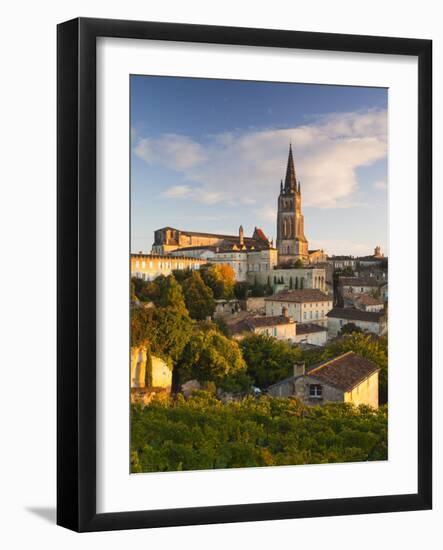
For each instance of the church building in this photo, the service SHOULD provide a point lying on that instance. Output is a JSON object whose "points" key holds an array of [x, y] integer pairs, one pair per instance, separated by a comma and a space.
{"points": [[292, 244]]}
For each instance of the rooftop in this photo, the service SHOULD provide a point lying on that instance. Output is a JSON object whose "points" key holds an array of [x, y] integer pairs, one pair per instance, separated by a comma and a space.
{"points": [[251, 323], [345, 371], [358, 281], [368, 300], [352, 314], [300, 296], [307, 328]]}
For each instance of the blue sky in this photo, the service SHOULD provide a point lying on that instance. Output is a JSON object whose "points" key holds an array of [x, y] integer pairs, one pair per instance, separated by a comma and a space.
{"points": [[208, 155]]}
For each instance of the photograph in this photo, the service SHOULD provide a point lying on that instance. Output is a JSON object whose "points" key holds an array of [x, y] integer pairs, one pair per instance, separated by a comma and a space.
{"points": [[258, 274]]}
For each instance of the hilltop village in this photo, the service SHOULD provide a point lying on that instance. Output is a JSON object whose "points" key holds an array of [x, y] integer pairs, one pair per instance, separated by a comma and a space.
{"points": [[241, 316]]}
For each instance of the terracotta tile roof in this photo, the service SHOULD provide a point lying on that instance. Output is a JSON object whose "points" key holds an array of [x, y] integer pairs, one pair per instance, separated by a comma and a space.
{"points": [[352, 314], [300, 296], [251, 323], [368, 300], [306, 328], [345, 371]]}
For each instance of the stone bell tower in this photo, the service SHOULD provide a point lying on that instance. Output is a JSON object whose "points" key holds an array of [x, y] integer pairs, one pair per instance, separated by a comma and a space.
{"points": [[292, 244]]}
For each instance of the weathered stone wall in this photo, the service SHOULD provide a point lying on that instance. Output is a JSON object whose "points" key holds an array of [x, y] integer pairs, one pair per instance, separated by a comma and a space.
{"points": [[329, 394]]}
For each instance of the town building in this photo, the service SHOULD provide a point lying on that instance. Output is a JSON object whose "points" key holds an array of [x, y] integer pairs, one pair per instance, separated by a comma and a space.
{"points": [[245, 255], [366, 302], [303, 305], [359, 285], [310, 334], [348, 378], [376, 259], [368, 321], [281, 327], [339, 263], [150, 266], [291, 278], [170, 239]]}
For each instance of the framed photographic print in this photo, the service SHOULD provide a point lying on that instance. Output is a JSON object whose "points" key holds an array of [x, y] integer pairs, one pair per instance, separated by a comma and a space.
{"points": [[244, 274]]}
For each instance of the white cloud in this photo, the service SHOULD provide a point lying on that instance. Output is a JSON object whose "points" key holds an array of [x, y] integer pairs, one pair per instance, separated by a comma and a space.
{"points": [[170, 150], [246, 167]]}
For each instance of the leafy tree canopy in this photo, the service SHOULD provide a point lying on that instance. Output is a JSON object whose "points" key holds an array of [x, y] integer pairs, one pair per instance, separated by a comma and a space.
{"points": [[268, 360], [210, 356], [199, 297], [166, 330]]}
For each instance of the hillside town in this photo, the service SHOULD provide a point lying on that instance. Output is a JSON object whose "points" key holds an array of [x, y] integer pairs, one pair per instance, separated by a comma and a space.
{"points": [[243, 287]]}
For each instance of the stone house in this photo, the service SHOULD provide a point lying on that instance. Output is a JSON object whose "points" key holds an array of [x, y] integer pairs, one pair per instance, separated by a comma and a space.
{"points": [[368, 321], [303, 305], [310, 333], [366, 302], [281, 327], [348, 378]]}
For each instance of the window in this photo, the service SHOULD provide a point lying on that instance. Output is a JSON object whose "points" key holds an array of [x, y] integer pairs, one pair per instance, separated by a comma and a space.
{"points": [[315, 391]]}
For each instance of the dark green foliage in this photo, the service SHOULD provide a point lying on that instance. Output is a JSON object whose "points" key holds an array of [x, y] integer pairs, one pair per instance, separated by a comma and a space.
{"points": [[241, 290], [199, 297], [349, 328], [210, 357], [166, 330], [202, 433], [268, 360], [163, 292]]}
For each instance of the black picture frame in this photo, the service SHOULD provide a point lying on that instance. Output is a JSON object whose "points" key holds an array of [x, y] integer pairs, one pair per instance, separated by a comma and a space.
{"points": [[76, 281]]}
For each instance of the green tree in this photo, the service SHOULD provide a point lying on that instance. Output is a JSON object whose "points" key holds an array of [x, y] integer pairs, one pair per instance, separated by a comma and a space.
{"points": [[210, 356], [170, 294], [199, 297], [241, 290], [268, 360], [165, 330]]}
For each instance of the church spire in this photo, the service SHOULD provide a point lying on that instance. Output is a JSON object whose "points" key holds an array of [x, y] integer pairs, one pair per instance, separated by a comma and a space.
{"points": [[290, 179]]}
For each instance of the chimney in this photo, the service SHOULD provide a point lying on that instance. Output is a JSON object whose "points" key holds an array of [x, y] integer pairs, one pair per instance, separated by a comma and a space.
{"points": [[299, 368], [284, 312]]}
